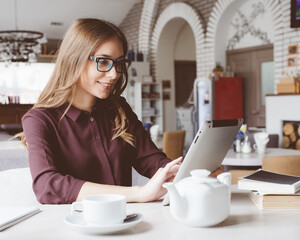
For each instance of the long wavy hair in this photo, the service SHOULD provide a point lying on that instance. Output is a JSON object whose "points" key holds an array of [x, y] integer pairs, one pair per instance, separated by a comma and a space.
{"points": [[79, 42]]}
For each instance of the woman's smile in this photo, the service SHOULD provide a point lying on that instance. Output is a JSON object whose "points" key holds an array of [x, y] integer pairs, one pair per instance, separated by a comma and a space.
{"points": [[106, 86]]}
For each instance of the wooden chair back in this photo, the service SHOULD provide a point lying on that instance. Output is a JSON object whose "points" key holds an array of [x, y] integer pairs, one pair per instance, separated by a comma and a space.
{"points": [[282, 164], [173, 143], [237, 173]]}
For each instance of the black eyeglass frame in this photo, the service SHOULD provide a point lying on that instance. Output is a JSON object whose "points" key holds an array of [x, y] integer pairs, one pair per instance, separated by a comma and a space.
{"points": [[97, 59]]}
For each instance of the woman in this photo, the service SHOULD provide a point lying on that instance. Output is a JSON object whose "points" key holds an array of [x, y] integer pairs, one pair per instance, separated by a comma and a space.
{"points": [[82, 137]]}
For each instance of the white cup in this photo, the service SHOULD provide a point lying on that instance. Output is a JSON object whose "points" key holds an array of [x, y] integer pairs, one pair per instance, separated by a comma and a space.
{"points": [[103, 209], [261, 137], [260, 148], [261, 141]]}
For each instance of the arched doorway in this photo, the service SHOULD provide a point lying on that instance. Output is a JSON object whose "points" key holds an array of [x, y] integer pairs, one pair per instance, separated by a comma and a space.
{"points": [[163, 41]]}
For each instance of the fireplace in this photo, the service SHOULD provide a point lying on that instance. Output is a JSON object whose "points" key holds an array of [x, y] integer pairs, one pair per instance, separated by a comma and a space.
{"points": [[291, 134]]}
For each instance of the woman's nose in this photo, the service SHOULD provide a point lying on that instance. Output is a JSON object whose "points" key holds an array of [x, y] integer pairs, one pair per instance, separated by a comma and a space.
{"points": [[112, 73]]}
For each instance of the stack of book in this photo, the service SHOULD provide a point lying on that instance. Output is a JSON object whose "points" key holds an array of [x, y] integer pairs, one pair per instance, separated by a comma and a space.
{"points": [[272, 190], [286, 85]]}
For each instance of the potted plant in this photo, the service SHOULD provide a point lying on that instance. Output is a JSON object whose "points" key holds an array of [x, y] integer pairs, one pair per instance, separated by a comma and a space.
{"points": [[218, 70]]}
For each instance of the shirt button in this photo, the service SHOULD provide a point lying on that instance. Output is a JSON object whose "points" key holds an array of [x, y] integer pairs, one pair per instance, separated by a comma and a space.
{"points": [[97, 137], [91, 119]]}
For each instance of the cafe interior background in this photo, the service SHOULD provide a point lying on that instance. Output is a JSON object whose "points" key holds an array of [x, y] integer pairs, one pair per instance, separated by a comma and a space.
{"points": [[175, 46]]}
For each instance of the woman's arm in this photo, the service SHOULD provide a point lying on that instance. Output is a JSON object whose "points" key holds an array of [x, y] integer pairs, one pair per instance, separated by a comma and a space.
{"points": [[149, 192], [49, 184]]}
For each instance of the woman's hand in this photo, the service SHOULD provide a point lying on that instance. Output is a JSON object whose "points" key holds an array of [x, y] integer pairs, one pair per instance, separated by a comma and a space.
{"points": [[153, 189]]}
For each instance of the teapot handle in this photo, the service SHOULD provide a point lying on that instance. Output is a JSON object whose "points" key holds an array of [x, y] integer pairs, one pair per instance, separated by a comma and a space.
{"points": [[225, 178]]}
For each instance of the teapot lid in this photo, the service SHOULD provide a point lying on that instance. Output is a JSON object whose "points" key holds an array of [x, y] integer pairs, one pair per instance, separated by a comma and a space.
{"points": [[202, 176]]}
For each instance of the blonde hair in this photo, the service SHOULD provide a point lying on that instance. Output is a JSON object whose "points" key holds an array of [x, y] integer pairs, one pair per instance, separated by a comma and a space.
{"points": [[80, 41]]}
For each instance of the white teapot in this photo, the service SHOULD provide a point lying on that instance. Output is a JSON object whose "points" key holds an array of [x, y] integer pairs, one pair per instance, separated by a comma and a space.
{"points": [[200, 200]]}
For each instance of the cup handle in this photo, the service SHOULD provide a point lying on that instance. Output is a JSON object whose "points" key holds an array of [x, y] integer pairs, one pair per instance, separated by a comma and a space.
{"points": [[74, 208]]}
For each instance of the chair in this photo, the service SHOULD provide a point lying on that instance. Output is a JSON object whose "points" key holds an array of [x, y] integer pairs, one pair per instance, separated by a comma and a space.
{"points": [[282, 164], [273, 142], [237, 173], [173, 143]]}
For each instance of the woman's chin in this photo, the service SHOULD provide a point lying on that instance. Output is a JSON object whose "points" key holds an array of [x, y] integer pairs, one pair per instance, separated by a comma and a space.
{"points": [[103, 96]]}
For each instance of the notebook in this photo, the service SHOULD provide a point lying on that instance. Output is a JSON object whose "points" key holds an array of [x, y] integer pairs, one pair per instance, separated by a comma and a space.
{"points": [[270, 182], [11, 215]]}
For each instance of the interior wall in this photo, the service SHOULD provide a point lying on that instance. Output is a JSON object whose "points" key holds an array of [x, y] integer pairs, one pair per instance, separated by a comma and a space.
{"points": [[222, 32], [165, 61], [246, 28], [185, 46], [240, 26]]}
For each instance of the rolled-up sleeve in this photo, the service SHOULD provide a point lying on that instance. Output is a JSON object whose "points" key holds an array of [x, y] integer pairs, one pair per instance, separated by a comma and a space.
{"points": [[50, 185]]}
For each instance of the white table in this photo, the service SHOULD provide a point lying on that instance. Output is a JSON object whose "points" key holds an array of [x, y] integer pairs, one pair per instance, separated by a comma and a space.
{"points": [[245, 222], [254, 159]]}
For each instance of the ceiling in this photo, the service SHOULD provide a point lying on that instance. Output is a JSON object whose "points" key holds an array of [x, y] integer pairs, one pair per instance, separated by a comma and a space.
{"points": [[53, 17]]}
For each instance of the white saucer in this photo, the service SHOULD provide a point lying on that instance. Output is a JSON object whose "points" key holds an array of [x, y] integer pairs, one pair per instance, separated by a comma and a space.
{"points": [[77, 222]]}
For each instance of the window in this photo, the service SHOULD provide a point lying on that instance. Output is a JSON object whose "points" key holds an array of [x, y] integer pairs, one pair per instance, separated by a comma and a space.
{"points": [[25, 80]]}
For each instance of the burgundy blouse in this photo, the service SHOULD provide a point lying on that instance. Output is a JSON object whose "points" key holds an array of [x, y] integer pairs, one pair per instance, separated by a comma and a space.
{"points": [[64, 154]]}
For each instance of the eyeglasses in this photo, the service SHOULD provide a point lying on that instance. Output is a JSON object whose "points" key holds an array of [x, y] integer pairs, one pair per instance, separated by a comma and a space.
{"points": [[105, 64]]}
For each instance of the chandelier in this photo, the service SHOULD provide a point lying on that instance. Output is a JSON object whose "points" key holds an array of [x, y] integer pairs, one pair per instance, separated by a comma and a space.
{"points": [[20, 46]]}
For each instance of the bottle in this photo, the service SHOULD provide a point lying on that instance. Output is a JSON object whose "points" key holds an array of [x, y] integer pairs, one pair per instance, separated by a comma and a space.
{"points": [[246, 147], [238, 145]]}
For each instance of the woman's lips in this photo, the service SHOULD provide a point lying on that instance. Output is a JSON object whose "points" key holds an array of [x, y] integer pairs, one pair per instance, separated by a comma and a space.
{"points": [[106, 85]]}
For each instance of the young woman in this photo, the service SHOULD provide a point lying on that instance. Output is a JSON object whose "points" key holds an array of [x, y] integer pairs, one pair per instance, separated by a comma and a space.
{"points": [[82, 137]]}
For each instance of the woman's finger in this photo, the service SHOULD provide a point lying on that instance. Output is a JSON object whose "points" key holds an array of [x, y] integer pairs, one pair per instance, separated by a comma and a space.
{"points": [[174, 162]]}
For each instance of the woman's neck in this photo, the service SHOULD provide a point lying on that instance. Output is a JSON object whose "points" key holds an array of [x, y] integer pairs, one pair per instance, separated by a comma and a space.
{"points": [[83, 103]]}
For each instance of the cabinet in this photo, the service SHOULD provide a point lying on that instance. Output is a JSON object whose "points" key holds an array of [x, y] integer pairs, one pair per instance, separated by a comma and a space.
{"points": [[145, 99], [228, 98], [148, 103], [12, 113]]}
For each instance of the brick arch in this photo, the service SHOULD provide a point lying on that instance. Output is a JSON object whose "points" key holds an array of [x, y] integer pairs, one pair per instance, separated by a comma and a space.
{"points": [[186, 12], [214, 20], [147, 17]]}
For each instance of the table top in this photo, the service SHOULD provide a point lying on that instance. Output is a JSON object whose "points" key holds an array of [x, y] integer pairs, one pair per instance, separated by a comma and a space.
{"points": [[254, 159], [245, 222]]}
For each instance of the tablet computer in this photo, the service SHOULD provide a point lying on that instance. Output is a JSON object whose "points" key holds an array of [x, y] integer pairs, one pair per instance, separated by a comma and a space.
{"points": [[208, 148]]}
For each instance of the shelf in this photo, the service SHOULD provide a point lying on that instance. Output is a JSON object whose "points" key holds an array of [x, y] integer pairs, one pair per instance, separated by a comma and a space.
{"points": [[150, 99], [144, 96], [144, 116], [282, 94], [153, 83], [47, 55]]}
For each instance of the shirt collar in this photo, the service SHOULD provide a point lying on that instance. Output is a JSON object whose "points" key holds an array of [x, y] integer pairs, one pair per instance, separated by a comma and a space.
{"points": [[72, 112]]}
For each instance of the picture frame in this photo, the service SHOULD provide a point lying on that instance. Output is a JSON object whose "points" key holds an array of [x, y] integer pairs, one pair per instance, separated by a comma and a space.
{"points": [[292, 49], [166, 95], [147, 79], [292, 62], [166, 84]]}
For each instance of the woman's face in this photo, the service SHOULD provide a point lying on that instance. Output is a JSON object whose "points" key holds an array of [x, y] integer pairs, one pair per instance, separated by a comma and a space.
{"points": [[93, 83]]}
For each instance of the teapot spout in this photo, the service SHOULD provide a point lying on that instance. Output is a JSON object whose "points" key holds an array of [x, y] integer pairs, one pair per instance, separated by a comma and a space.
{"points": [[178, 203]]}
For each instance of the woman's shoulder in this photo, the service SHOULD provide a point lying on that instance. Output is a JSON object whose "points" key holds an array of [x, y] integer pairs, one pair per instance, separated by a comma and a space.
{"points": [[123, 102], [125, 105], [40, 113]]}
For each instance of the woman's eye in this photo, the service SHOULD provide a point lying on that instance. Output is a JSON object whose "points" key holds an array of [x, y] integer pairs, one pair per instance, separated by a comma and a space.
{"points": [[103, 62]]}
